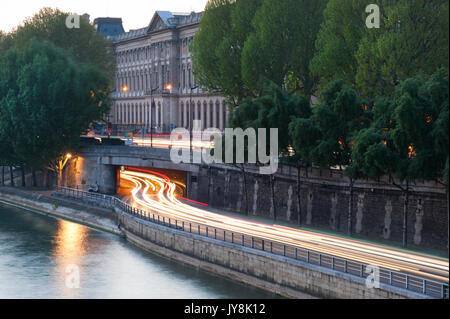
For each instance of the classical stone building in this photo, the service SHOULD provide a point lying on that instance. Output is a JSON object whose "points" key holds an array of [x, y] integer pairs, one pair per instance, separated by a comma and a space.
{"points": [[154, 64]]}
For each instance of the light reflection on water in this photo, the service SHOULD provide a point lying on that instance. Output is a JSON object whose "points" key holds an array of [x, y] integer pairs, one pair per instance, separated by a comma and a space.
{"points": [[35, 252]]}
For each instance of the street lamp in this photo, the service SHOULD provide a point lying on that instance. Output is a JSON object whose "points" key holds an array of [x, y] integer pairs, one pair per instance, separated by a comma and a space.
{"points": [[191, 116], [151, 116]]}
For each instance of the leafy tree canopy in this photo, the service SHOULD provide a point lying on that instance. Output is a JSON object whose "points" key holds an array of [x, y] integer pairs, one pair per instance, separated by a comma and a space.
{"points": [[412, 39], [282, 45], [47, 100], [409, 135], [338, 39], [339, 115], [218, 45], [273, 109], [85, 44]]}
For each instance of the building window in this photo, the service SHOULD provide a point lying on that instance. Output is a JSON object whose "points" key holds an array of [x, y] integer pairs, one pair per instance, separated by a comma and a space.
{"points": [[224, 116], [205, 124], [217, 114], [190, 78], [163, 75], [182, 115], [211, 115]]}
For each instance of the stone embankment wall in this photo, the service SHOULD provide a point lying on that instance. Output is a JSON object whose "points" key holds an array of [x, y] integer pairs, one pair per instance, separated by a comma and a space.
{"points": [[104, 219], [324, 200], [284, 276]]}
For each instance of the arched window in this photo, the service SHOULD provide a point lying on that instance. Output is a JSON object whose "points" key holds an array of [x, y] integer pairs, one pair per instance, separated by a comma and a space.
{"points": [[211, 114], [159, 114], [205, 114], [224, 110], [182, 114], [217, 114]]}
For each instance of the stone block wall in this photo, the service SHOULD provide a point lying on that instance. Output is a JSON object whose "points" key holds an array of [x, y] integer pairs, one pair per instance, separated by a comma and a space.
{"points": [[278, 274], [324, 201]]}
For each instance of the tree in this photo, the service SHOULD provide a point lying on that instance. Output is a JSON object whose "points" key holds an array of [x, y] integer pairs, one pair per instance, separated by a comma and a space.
{"points": [[85, 44], [2, 38], [273, 109], [47, 101], [408, 138], [412, 39], [326, 139], [337, 41], [216, 51], [7, 158], [282, 45], [305, 136]]}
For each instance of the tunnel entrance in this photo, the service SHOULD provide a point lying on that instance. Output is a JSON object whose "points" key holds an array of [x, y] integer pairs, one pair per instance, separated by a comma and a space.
{"points": [[124, 187]]}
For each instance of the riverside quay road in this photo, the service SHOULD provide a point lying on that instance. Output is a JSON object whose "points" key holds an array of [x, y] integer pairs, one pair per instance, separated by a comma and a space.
{"points": [[153, 191]]}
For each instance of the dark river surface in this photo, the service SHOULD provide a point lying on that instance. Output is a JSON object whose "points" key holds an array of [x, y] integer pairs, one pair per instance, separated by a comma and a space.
{"points": [[42, 257]]}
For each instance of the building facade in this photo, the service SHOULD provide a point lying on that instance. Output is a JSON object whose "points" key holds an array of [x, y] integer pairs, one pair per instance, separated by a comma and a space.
{"points": [[154, 65]]}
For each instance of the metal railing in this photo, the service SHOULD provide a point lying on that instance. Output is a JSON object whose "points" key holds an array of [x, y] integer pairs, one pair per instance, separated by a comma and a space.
{"points": [[401, 280]]}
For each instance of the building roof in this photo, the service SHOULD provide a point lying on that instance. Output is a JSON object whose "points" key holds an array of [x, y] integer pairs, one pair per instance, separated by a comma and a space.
{"points": [[109, 26], [161, 20]]}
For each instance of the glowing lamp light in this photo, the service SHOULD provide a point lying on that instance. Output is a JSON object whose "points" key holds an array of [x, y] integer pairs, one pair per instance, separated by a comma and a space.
{"points": [[169, 87], [68, 155], [125, 88]]}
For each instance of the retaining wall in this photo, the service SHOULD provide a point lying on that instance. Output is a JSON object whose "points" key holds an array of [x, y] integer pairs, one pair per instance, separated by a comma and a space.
{"points": [[284, 276]]}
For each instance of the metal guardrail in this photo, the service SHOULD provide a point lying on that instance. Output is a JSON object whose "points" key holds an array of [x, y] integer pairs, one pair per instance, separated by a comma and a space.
{"points": [[409, 282]]}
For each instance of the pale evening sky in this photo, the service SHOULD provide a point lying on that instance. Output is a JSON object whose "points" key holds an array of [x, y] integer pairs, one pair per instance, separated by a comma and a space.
{"points": [[134, 13]]}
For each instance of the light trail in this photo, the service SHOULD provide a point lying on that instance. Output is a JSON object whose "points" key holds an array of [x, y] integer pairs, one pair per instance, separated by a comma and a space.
{"points": [[156, 192], [160, 142]]}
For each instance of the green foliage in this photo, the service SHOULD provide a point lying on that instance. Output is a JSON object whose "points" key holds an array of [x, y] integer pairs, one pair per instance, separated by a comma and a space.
{"points": [[282, 45], [217, 47], [47, 100], [257, 40], [305, 136], [338, 39], [273, 109], [409, 135], [412, 39], [84, 44], [339, 115]]}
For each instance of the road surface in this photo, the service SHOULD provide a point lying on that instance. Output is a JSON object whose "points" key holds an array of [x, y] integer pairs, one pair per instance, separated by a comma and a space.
{"points": [[151, 190]]}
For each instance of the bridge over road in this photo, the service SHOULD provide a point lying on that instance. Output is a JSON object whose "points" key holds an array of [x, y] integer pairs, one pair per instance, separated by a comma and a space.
{"points": [[378, 209]]}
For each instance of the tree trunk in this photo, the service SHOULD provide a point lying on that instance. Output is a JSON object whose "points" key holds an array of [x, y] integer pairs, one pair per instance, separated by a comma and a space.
{"points": [[350, 209], [405, 216], [299, 208], [46, 178], [60, 177], [245, 189], [11, 174], [33, 177], [448, 219], [272, 190], [22, 171], [209, 185]]}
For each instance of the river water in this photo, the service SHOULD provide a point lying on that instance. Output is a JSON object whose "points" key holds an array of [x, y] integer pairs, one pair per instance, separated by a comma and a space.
{"points": [[42, 257]]}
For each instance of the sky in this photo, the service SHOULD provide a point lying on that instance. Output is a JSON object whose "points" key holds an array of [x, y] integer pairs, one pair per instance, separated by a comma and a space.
{"points": [[135, 14]]}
